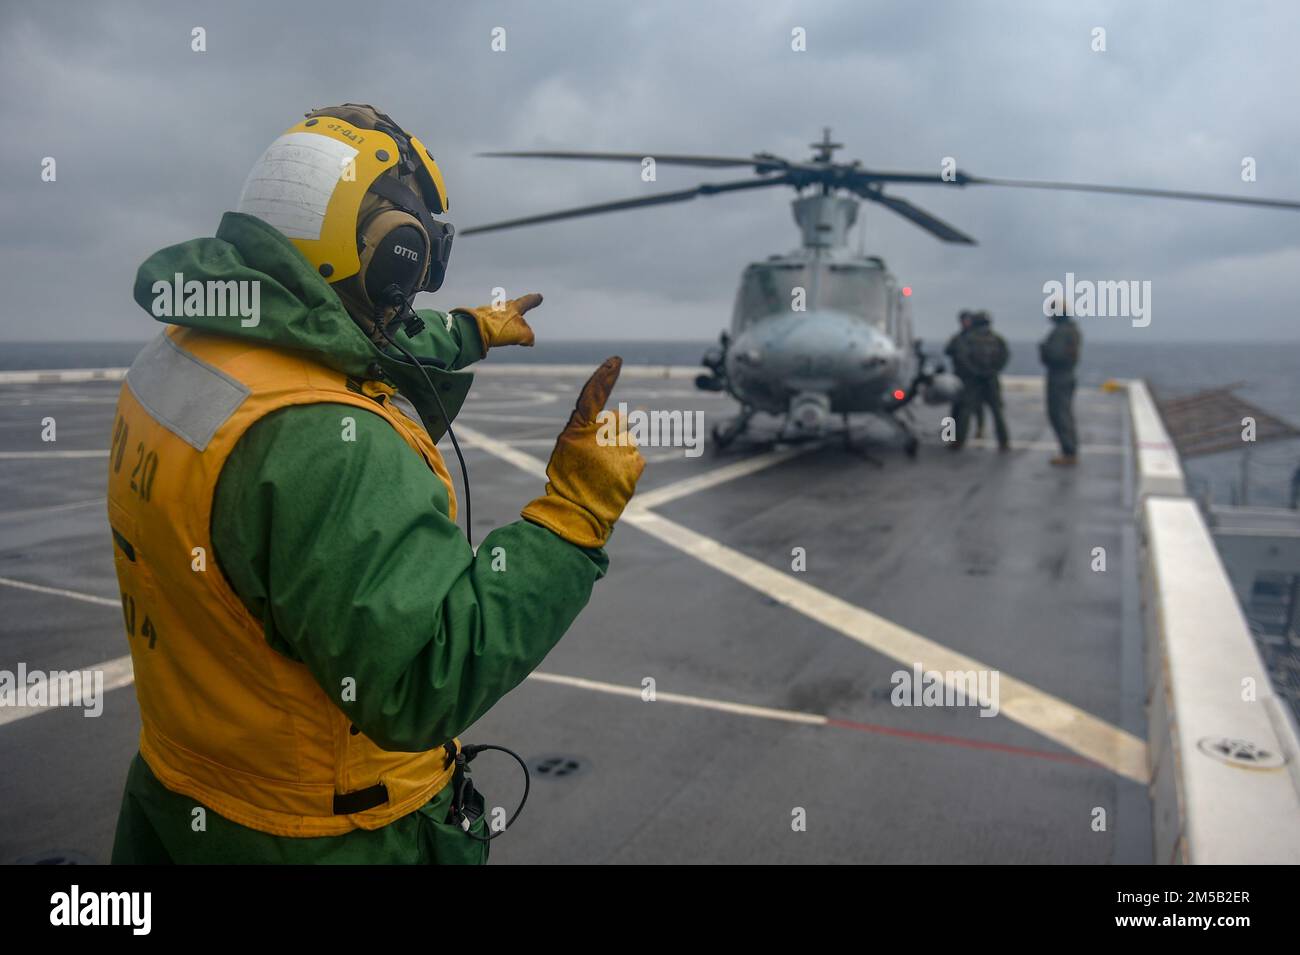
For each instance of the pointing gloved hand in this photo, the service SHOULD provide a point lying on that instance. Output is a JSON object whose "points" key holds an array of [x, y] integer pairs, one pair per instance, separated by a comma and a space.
{"points": [[504, 324], [589, 481]]}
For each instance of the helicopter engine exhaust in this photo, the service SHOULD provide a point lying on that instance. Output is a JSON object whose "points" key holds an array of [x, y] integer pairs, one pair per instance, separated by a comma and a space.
{"points": [[942, 389]]}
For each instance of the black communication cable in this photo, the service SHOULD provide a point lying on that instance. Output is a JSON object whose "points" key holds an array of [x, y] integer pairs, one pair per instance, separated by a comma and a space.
{"points": [[393, 295], [470, 752]]}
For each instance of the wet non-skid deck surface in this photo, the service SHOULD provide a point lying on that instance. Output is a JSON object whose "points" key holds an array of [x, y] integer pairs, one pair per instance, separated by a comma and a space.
{"points": [[773, 687]]}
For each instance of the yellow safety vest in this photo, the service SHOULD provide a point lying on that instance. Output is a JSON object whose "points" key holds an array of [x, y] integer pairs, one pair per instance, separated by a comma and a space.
{"points": [[225, 718]]}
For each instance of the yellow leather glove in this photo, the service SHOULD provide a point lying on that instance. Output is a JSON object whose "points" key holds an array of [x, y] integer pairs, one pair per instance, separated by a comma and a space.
{"points": [[504, 324], [593, 470]]}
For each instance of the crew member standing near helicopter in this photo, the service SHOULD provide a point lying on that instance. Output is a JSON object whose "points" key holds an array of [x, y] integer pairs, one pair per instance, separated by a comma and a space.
{"points": [[953, 351], [983, 353], [1059, 353]]}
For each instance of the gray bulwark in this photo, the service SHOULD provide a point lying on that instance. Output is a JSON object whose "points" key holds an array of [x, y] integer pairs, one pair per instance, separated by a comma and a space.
{"points": [[188, 397]]}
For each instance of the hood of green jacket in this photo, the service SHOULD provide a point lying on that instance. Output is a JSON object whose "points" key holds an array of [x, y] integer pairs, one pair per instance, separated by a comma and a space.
{"points": [[296, 310]]}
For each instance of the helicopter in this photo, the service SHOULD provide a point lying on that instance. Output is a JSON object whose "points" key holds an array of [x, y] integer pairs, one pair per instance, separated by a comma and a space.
{"points": [[822, 331]]}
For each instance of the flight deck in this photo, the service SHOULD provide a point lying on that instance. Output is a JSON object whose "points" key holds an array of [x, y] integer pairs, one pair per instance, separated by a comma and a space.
{"points": [[732, 692]]}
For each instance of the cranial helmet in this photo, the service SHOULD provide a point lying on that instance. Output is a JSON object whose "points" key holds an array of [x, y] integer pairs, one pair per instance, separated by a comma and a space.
{"points": [[356, 195]]}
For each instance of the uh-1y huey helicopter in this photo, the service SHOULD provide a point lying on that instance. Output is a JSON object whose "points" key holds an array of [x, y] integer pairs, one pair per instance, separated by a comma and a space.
{"points": [[823, 331]]}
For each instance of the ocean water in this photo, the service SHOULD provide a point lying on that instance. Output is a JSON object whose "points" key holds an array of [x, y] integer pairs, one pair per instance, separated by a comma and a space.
{"points": [[1269, 374]]}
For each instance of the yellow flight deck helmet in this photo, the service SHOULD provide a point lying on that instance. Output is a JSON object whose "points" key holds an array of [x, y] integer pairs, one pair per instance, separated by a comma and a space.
{"points": [[356, 195]]}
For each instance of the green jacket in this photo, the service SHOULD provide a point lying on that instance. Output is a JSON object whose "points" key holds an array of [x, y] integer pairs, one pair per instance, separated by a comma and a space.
{"points": [[456, 630], [980, 352], [953, 350], [1059, 351]]}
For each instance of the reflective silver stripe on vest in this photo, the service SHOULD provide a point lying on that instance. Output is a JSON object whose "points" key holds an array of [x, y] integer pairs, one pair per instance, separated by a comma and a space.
{"points": [[188, 397]]}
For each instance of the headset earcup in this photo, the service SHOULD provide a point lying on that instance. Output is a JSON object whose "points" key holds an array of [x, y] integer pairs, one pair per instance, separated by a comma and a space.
{"points": [[400, 257], [394, 250]]}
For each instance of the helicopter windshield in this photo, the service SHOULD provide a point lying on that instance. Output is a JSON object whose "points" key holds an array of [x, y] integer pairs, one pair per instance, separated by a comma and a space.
{"points": [[769, 289], [856, 290]]}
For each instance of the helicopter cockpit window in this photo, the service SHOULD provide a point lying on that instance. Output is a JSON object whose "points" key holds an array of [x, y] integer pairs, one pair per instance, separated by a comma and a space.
{"points": [[857, 291], [768, 290]]}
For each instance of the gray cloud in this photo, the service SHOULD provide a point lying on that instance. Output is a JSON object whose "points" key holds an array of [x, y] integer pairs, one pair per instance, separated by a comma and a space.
{"points": [[153, 142]]}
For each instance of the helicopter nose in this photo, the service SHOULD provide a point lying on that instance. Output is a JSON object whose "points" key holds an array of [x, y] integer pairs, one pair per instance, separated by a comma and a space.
{"points": [[875, 354], [819, 352]]}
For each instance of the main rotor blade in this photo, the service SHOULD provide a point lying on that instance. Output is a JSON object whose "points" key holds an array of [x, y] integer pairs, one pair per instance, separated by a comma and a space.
{"points": [[964, 179], [869, 175], [707, 189], [935, 226], [1130, 191], [759, 162]]}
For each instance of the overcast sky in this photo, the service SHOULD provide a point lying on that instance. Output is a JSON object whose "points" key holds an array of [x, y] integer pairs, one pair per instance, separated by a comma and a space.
{"points": [[153, 142]]}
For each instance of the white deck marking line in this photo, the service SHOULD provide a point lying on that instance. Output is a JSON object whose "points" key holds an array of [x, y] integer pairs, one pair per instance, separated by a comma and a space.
{"points": [[580, 373], [47, 399], [60, 592], [469, 442], [1049, 716], [690, 394], [23, 455], [657, 457], [722, 706], [514, 399], [118, 673], [651, 456], [43, 376], [506, 452], [50, 508], [714, 476], [802, 717]]}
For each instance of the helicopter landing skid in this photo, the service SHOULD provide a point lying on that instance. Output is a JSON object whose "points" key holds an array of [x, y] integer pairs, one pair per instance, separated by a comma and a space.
{"points": [[729, 431], [911, 443], [860, 450]]}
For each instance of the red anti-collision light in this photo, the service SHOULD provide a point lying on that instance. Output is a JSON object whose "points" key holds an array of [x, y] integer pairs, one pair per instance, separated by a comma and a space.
{"points": [[907, 291], [899, 394]]}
